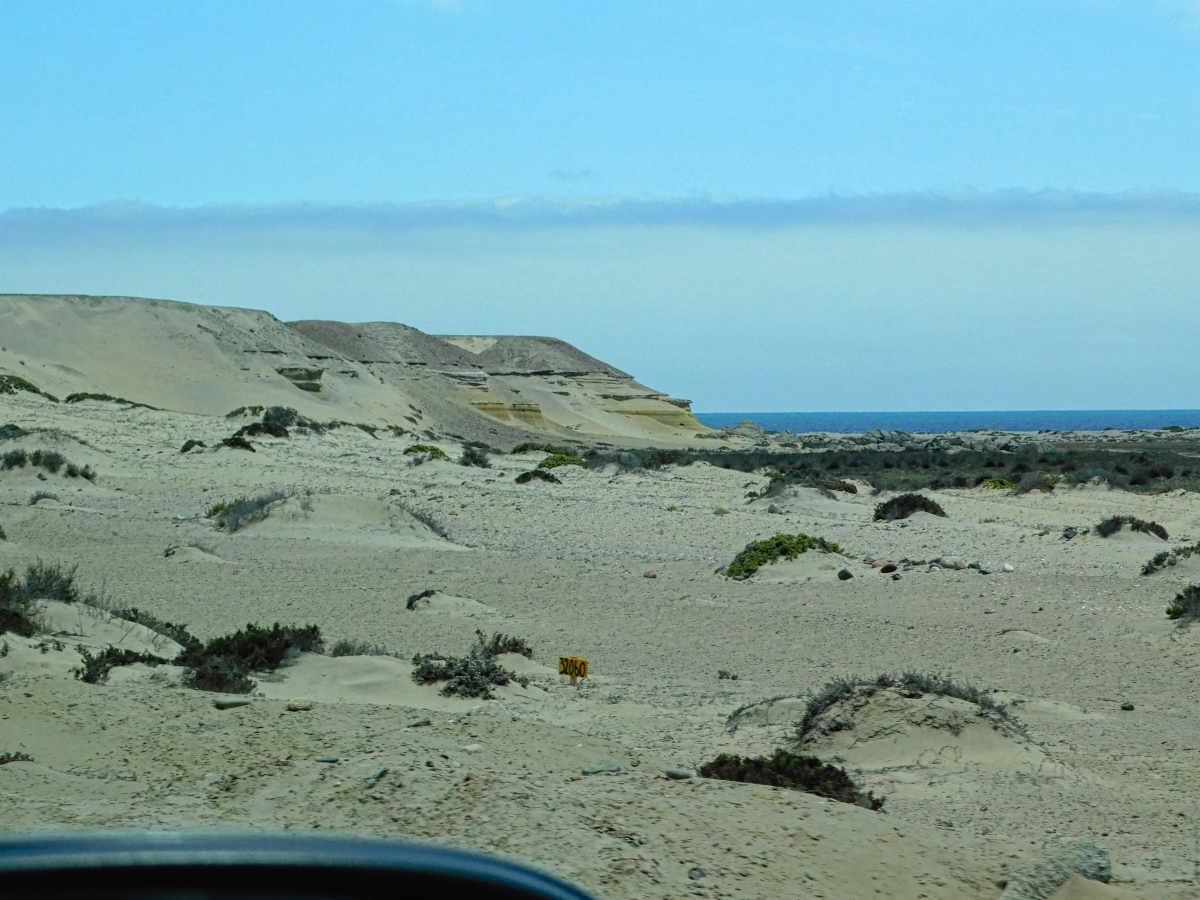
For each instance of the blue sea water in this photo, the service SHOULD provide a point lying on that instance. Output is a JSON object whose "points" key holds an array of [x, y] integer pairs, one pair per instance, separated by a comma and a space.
{"points": [[941, 421]]}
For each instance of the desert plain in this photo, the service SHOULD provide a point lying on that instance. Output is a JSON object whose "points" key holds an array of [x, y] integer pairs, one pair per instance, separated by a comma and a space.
{"points": [[622, 567]]}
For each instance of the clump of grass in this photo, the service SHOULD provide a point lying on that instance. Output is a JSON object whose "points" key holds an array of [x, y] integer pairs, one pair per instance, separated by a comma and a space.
{"points": [[475, 674], [239, 513], [226, 663], [11, 432], [1161, 560], [3, 534], [997, 484], [51, 582], [348, 647], [503, 643], [782, 546], [909, 684], [41, 495], [474, 456], [539, 448], [1039, 481], [1185, 608], [107, 398], [18, 756], [10, 384], [790, 770], [237, 442], [18, 613], [177, 633], [96, 667], [1113, 524], [425, 452], [191, 445], [244, 411], [50, 460], [428, 520], [904, 506], [562, 459], [539, 474]]}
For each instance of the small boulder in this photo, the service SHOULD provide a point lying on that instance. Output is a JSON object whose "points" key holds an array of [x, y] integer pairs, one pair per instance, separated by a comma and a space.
{"points": [[845, 575], [775, 509], [1040, 879], [299, 704], [606, 768], [720, 511], [680, 773], [651, 574], [1127, 706], [1007, 567], [888, 569], [417, 722], [231, 702]]}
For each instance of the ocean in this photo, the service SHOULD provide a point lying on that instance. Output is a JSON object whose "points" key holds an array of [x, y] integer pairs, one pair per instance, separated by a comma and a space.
{"points": [[936, 422]]}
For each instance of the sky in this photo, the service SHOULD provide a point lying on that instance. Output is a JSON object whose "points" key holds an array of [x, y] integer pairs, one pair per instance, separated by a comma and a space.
{"points": [[869, 204]]}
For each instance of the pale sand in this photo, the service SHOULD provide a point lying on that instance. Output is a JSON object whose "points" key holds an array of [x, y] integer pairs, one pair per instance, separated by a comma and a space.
{"points": [[1069, 636]]}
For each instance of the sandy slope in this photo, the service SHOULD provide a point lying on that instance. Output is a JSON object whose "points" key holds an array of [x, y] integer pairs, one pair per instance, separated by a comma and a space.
{"points": [[1068, 636]]}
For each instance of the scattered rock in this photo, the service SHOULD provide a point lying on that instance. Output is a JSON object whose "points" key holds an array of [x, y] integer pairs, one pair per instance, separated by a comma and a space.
{"points": [[720, 511], [896, 576], [417, 722], [231, 702], [775, 509], [679, 773], [880, 563], [651, 574], [1039, 880], [473, 748], [607, 768], [1069, 533], [888, 569], [674, 509], [696, 873], [327, 759], [1008, 568], [1127, 706], [845, 575], [299, 704]]}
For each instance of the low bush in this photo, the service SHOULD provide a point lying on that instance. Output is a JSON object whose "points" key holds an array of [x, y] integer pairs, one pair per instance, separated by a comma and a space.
{"points": [[107, 398], [1039, 481], [539, 474], [244, 411], [10, 384], [414, 599], [3, 534], [1185, 608], [539, 448], [1113, 524], [18, 613], [428, 451], [50, 460], [178, 633], [191, 445], [1161, 560], [237, 442], [96, 667], [503, 643], [41, 495], [347, 647], [789, 770], [904, 506], [473, 456], [243, 511], [909, 684], [562, 459], [6, 758], [782, 546], [475, 674], [997, 484], [226, 663]]}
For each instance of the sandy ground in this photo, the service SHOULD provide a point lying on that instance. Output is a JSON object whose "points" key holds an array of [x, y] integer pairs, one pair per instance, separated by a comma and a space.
{"points": [[1067, 637]]}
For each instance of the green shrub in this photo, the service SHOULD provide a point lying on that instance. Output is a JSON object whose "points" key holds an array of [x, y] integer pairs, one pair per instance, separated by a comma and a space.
{"points": [[244, 510], [473, 675], [904, 506], [790, 770], [539, 448], [41, 495], [562, 459], [1185, 608], [191, 445], [1113, 524], [107, 398], [225, 663], [358, 648], [244, 411], [1164, 558], [96, 667], [414, 599], [998, 484], [782, 546], [6, 758], [50, 460], [429, 450], [10, 384], [18, 613]]}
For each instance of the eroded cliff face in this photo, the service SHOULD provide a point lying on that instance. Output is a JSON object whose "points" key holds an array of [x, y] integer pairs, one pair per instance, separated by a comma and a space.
{"points": [[210, 360]]}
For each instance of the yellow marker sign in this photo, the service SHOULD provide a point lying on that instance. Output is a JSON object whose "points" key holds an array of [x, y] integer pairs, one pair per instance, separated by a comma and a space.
{"points": [[574, 666]]}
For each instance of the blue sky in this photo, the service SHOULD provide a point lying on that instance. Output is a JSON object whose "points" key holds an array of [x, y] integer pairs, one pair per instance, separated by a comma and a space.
{"points": [[783, 184]]}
